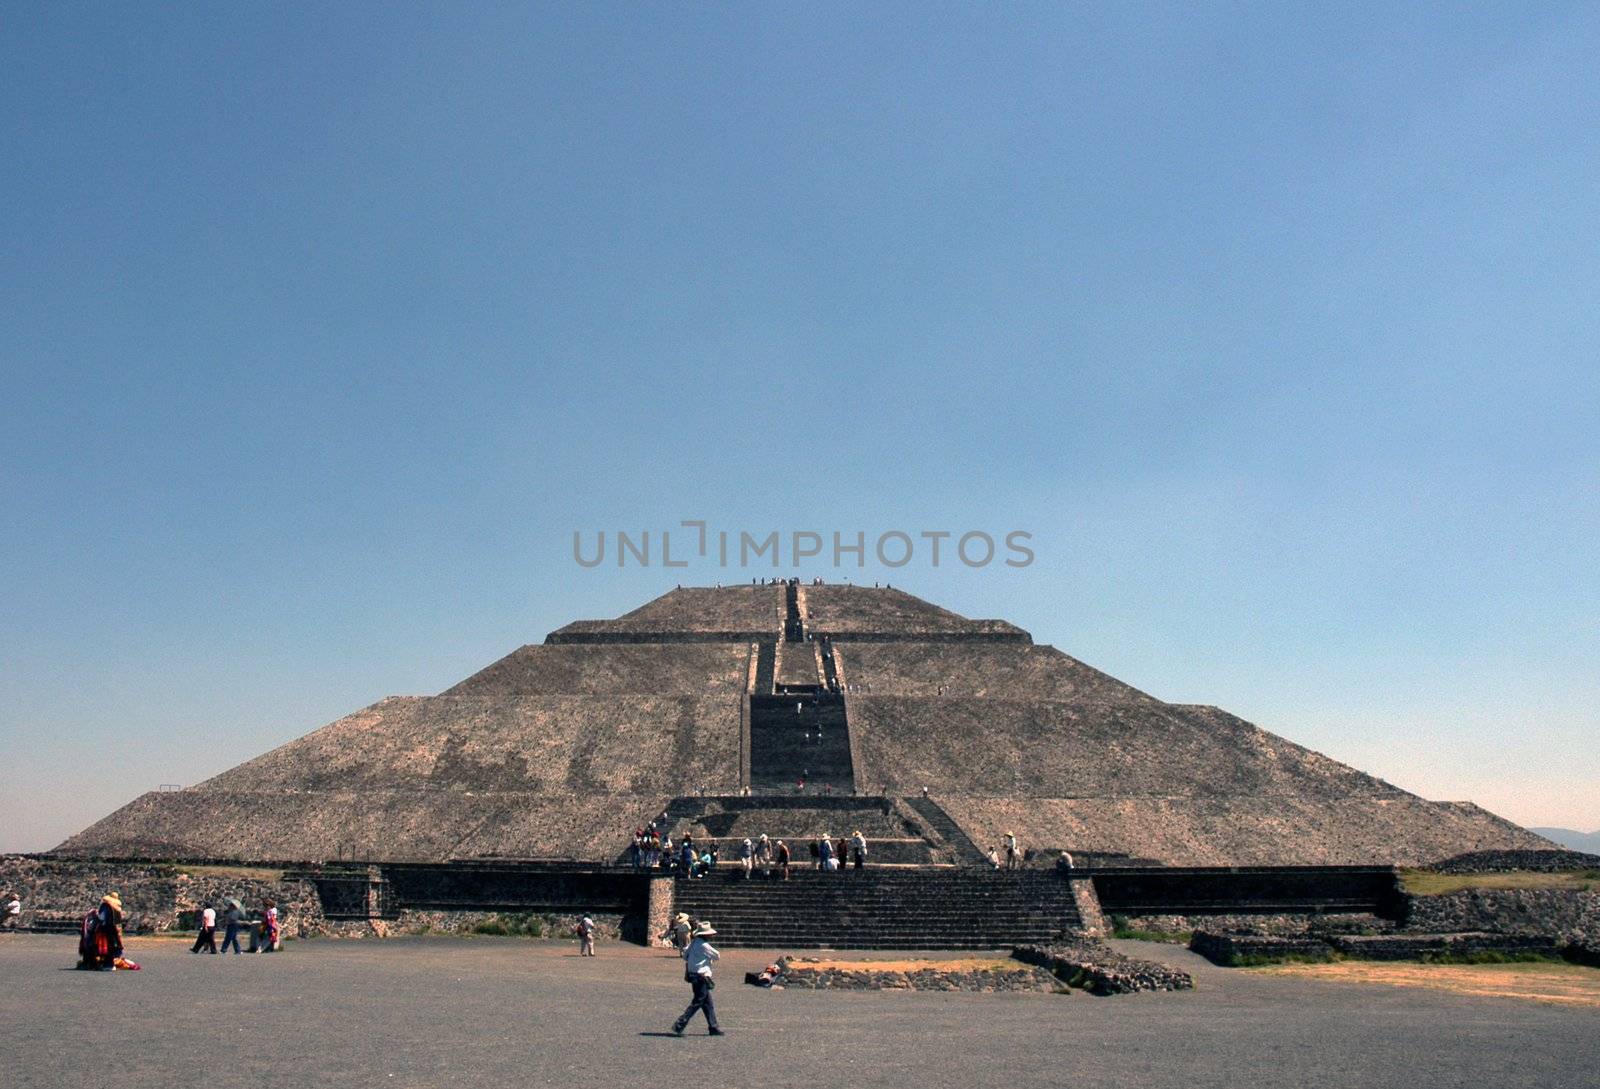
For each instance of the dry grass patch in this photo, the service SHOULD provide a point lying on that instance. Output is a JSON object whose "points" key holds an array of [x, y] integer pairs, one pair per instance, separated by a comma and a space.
{"points": [[241, 873], [1561, 984], [1428, 883]]}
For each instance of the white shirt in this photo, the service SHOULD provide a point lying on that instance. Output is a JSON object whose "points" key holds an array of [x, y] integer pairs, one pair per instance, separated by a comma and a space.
{"points": [[13, 906], [698, 957], [208, 917]]}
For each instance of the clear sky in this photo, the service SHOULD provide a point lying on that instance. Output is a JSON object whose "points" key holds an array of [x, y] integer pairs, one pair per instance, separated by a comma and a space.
{"points": [[322, 330]]}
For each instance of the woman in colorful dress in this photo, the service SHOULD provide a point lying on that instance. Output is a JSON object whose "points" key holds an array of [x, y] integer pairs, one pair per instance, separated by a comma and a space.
{"points": [[100, 935]]}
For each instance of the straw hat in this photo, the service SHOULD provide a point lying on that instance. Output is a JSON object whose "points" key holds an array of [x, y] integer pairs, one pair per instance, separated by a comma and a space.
{"points": [[681, 917], [114, 900], [704, 930]]}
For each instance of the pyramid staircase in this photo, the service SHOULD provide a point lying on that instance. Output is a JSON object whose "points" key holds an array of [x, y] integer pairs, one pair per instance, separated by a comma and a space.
{"points": [[883, 908]]}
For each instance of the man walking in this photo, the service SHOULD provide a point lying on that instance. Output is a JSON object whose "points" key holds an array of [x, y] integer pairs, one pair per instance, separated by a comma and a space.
{"points": [[208, 931], [234, 919], [697, 960], [586, 937]]}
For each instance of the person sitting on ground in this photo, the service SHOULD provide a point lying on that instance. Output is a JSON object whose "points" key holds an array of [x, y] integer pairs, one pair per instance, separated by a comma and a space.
{"points": [[100, 935]]}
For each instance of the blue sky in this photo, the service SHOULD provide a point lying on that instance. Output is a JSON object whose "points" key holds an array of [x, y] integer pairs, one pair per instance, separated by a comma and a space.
{"points": [[1275, 325]]}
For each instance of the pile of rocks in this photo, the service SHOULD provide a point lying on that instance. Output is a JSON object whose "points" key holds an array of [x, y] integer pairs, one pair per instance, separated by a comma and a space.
{"points": [[1099, 969], [813, 974]]}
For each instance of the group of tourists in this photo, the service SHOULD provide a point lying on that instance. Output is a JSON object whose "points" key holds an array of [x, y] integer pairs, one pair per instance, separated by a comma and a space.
{"points": [[1013, 856], [829, 855], [651, 851], [264, 930], [770, 857]]}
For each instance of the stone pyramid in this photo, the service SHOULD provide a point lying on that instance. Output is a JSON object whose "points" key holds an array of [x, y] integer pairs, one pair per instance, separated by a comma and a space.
{"points": [[559, 750]]}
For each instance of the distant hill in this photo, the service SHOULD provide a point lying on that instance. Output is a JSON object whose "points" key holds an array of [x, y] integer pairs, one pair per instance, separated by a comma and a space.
{"points": [[1570, 838]]}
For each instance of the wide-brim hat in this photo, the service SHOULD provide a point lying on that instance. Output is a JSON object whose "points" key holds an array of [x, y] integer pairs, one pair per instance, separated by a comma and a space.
{"points": [[681, 917], [113, 899], [705, 930]]}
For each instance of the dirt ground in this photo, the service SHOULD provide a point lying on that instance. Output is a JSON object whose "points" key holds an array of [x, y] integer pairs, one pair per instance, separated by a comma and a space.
{"points": [[495, 1012]]}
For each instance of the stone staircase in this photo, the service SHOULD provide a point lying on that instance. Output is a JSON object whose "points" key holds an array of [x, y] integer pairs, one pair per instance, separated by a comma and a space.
{"points": [[948, 832], [913, 908], [794, 737]]}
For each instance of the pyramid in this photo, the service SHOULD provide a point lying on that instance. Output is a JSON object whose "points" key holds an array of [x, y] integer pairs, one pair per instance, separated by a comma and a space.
{"points": [[804, 695]]}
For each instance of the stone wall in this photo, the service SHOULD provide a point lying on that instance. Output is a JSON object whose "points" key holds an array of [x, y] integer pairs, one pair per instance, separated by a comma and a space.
{"points": [[1569, 915], [154, 896]]}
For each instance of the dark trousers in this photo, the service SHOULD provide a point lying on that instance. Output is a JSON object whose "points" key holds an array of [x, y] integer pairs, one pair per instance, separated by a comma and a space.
{"points": [[207, 940], [230, 937], [702, 1001]]}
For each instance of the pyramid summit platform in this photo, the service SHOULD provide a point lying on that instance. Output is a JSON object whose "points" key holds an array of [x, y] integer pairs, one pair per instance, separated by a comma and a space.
{"points": [[715, 704]]}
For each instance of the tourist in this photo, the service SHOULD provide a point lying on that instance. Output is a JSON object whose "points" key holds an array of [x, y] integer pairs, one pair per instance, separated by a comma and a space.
{"points": [[1012, 858], [747, 856], [783, 859], [841, 854], [859, 843], [232, 921], [586, 937], [677, 931], [1064, 862], [994, 859], [100, 935], [764, 853], [697, 961], [686, 855], [267, 931], [208, 931], [12, 918]]}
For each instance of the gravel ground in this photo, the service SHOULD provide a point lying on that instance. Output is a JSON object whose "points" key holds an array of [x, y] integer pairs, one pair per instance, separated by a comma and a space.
{"points": [[502, 1012]]}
